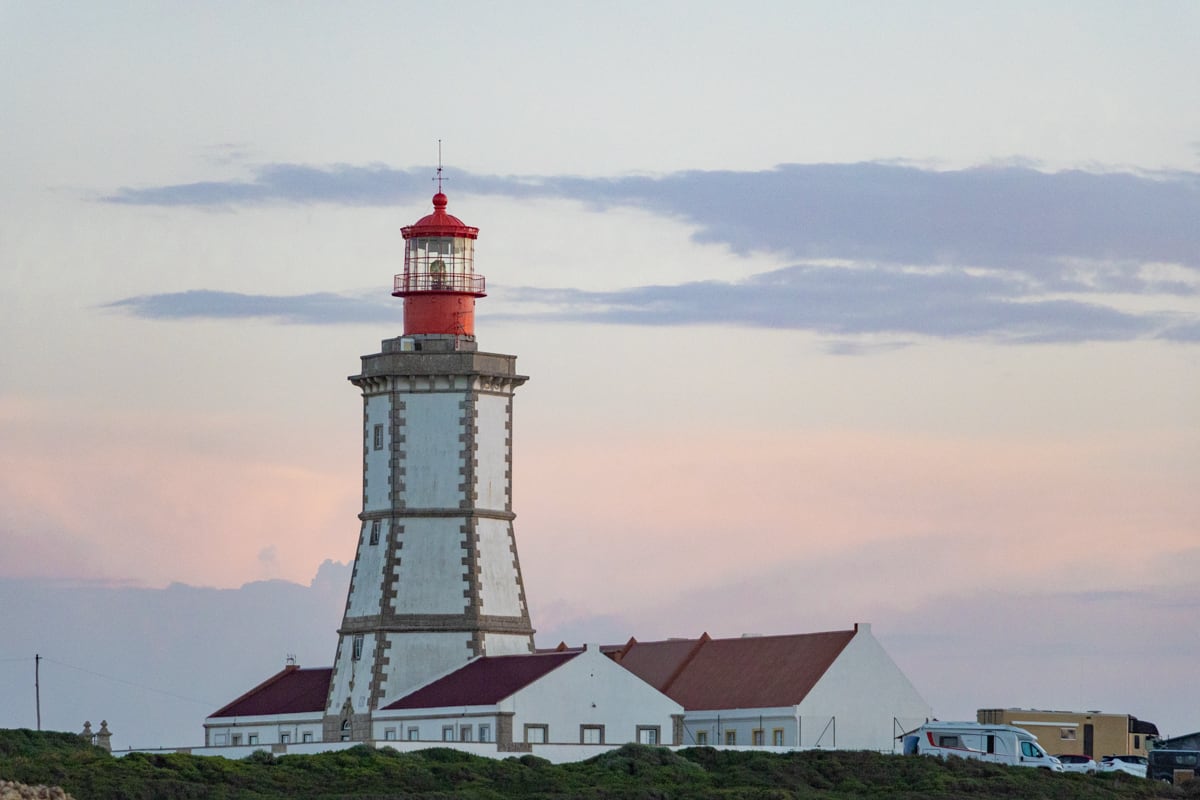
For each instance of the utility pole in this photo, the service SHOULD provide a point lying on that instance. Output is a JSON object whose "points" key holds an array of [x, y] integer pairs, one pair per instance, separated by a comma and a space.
{"points": [[37, 687]]}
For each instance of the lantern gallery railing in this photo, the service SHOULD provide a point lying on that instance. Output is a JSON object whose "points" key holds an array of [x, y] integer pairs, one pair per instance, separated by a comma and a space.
{"points": [[439, 281]]}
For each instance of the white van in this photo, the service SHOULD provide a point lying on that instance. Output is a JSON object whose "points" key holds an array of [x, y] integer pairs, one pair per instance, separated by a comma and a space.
{"points": [[1000, 744]]}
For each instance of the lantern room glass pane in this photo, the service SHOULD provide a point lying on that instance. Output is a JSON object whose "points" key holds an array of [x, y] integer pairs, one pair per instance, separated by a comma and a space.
{"points": [[456, 255]]}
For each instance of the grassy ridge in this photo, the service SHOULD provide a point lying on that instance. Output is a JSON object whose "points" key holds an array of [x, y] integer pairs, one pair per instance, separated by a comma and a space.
{"points": [[633, 771]]}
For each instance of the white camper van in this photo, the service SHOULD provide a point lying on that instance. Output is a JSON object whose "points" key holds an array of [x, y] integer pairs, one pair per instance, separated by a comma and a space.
{"points": [[1001, 744]]}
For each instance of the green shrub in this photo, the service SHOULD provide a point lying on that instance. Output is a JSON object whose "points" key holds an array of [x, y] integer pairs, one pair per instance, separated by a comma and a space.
{"points": [[632, 772]]}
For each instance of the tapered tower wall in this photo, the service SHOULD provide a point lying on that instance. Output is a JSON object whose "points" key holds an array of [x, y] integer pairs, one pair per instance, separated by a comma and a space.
{"points": [[436, 579]]}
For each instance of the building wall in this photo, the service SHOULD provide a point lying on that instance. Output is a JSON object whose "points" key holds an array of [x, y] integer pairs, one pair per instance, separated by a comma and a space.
{"points": [[430, 726], [430, 577], [376, 467], [262, 731], [433, 448], [592, 690], [504, 644], [1061, 732], [715, 727], [414, 658], [493, 442], [869, 698], [500, 585], [369, 561], [589, 690]]}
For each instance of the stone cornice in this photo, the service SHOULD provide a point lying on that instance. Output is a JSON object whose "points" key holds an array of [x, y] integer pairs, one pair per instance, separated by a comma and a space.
{"points": [[464, 513], [447, 382], [435, 623], [433, 372]]}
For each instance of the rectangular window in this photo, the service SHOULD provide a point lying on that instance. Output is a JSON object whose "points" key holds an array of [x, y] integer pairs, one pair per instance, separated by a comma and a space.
{"points": [[412, 734], [252, 739], [756, 737], [306, 736], [235, 739], [466, 733], [284, 737], [647, 734], [447, 733], [949, 741], [1066, 734], [777, 737], [485, 733], [375, 531], [378, 437], [537, 734], [591, 734], [356, 647], [389, 734], [221, 739], [731, 737], [702, 738]]}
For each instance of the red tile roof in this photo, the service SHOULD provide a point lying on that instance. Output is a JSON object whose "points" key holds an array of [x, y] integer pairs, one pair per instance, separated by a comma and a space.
{"points": [[750, 672], [485, 681], [292, 691]]}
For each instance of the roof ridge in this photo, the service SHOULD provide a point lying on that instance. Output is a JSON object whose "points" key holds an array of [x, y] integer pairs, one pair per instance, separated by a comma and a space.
{"points": [[271, 681], [624, 649], [745, 637], [703, 640]]}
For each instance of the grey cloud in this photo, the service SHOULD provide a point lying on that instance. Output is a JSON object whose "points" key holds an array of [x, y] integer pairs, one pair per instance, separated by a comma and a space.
{"points": [[1186, 332], [1010, 216], [140, 657], [845, 301], [339, 184], [837, 301], [322, 308]]}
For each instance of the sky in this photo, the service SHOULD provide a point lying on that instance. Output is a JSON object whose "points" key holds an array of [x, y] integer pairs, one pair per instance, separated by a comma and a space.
{"points": [[833, 313]]}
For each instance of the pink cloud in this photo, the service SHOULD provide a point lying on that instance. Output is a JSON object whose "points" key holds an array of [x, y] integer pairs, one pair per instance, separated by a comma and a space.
{"points": [[157, 500], [714, 505]]}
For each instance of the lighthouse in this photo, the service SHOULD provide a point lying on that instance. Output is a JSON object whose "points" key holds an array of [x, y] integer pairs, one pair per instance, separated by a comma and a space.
{"points": [[436, 578]]}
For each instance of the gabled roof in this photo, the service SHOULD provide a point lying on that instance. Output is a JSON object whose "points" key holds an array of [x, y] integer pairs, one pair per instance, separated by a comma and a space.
{"points": [[292, 691], [485, 681], [750, 672]]}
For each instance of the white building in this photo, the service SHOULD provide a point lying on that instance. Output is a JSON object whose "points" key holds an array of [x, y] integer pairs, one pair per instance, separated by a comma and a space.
{"points": [[287, 708], [562, 697], [834, 690]]}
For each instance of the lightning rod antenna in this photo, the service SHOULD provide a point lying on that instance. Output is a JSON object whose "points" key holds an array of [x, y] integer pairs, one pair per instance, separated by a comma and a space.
{"points": [[439, 167]]}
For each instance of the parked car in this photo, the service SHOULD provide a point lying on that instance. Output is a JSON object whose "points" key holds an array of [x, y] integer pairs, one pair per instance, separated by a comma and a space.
{"points": [[1078, 763], [1167, 765], [1130, 765]]}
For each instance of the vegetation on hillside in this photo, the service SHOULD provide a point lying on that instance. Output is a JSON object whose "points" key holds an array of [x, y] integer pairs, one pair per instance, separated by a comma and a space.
{"points": [[633, 771]]}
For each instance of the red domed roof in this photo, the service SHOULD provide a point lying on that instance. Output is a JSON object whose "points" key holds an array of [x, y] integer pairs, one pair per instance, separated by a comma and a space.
{"points": [[439, 223]]}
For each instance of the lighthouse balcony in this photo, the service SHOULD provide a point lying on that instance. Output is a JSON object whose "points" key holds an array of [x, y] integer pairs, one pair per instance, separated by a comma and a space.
{"points": [[436, 281]]}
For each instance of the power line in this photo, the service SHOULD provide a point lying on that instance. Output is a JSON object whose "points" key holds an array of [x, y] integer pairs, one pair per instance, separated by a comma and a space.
{"points": [[207, 703]]}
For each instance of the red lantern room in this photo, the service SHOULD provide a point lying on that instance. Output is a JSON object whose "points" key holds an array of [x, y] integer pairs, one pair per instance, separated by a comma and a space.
{"points": [[439, 284]]}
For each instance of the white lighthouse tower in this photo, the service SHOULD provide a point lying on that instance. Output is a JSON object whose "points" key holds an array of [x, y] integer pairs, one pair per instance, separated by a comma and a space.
{"points": [[436, 578]]}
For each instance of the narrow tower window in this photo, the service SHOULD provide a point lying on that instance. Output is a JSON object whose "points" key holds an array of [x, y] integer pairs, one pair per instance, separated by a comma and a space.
{"points": [[356, 650], [378, 437], [374, 531]]}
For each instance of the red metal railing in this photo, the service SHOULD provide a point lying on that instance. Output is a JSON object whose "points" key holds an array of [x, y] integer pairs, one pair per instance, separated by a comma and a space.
{"points": [[413, 282]]}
